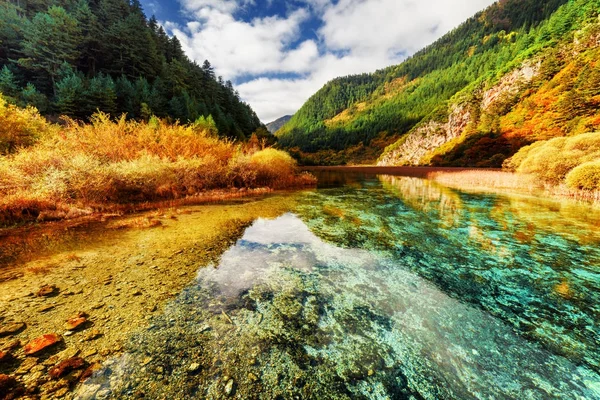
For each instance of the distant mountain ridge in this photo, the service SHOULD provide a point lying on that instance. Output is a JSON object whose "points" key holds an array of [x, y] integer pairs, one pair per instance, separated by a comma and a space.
{"points": [[278, 123], [517, 72]]}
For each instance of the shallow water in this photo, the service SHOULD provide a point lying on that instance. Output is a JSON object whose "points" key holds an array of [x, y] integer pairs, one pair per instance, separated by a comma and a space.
{"points": [[383, 287]]}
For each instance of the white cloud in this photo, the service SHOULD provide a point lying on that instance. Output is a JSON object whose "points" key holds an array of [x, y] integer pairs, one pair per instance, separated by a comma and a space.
{"points": [[355, 36]]}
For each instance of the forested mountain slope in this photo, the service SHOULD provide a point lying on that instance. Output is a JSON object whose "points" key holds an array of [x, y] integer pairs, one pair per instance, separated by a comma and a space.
{"points": [[520, 71], [74, 57]]}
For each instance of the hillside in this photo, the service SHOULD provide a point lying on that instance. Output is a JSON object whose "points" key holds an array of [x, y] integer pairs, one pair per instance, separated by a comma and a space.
{"points": [[515, 73], [73, 58], [278, 123]]}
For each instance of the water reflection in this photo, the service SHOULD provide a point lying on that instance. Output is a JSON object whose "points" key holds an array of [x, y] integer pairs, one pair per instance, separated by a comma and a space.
{"points": [[500, 253], [388, 288], [286, 314]]}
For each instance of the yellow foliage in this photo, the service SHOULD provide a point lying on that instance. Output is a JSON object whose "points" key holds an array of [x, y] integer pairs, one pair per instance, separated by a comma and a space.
{"points": [[273, 166], [585, 177], [553, 159], [19, 127], [108, 162]]}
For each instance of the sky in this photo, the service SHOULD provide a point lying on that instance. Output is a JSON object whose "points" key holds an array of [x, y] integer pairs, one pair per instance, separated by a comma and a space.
{"points": [[278, 53]]}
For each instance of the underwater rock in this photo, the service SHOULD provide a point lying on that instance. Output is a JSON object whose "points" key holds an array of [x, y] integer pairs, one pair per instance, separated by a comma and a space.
{"points": [[4, 356], [41, 343], [26, 366], [230, 387], [11, 328], [13, 344], [47, 290], [92, 335], [194, 367], [45, 308], [76, 321], [66, 366]]}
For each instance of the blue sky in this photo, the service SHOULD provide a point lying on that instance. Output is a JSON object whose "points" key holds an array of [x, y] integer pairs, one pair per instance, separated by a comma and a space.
{"points": [[278, 53]]}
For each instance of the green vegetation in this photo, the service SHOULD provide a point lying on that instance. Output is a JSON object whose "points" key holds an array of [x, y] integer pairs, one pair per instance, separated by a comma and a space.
{"points": [[77, 57], [368, 110], [50, 171]]}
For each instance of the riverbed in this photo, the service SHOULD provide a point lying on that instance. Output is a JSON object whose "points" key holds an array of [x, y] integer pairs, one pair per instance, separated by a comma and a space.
{"points": [[369, 287]]}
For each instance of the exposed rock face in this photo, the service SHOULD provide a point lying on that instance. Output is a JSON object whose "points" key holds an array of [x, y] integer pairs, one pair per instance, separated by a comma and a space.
{"points": [[426, 138], [510, 84]]}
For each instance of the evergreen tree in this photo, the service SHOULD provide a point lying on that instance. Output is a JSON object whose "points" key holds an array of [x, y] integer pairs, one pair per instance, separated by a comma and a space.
{"points": [[50, 40]]}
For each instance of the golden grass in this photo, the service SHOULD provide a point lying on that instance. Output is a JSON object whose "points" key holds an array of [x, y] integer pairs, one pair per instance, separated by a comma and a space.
{"points": [[504, 181], [497, 180], [116, 165]]}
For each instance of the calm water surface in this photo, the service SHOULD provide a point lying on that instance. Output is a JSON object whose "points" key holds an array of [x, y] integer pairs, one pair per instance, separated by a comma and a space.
{"points": [[383, 288]]}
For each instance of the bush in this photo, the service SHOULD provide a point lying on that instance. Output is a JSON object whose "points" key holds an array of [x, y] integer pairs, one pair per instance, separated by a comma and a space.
{"points": [[585, 177], [273, 166], [19, 127], [551, 160], [108, 162]]}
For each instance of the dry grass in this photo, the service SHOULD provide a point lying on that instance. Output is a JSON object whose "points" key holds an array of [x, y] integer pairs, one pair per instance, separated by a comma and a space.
{"points": [[496, 180], [110, 165], [504, 181]]}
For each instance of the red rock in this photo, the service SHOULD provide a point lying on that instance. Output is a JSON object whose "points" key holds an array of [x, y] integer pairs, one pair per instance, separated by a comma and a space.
{"points": [[76, 321], [41, 343], [11, 328], [66, 366], [47, 290]]}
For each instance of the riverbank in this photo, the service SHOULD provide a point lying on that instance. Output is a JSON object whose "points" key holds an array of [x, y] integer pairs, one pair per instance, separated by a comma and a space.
{"points": [[475, 180], [110, 277], [54, 172]]}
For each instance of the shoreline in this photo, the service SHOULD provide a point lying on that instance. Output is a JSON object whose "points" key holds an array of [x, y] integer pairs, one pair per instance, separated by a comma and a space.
{"points": [[418, 172], [475, 180]]}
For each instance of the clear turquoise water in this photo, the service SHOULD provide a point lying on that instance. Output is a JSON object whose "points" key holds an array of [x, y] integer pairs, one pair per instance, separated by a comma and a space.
{"points": [[384, 288]]}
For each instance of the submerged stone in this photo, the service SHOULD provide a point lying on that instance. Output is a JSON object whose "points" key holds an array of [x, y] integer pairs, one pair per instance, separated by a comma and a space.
{"points": [[11, 328], [41, 343]]}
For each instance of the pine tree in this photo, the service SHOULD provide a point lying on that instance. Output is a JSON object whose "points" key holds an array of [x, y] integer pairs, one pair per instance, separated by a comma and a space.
{"points": [[8, 83], [50, 40]]}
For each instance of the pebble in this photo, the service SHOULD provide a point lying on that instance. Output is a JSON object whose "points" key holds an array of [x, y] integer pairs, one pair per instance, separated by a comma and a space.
{"points": [[47, 290], [75, 322], [229, 387], [26, 366], [11, 328], [92, 335], [193, 367], [45, 308]]}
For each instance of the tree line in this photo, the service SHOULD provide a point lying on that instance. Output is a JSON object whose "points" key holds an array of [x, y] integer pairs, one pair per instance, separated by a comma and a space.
{"points": [[75, 57]]}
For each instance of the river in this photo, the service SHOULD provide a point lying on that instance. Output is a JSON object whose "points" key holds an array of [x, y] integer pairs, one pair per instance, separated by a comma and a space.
{"points": [[370, 287]]}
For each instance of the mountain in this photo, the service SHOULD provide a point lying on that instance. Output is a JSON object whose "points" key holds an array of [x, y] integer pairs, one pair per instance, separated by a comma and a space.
{"points": [[73, 57], [517, 72], [278, 123]]}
